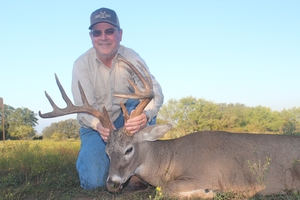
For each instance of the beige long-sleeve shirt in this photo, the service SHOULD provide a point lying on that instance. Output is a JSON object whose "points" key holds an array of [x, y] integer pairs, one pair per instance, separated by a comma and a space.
{"points": [[100, 83]]}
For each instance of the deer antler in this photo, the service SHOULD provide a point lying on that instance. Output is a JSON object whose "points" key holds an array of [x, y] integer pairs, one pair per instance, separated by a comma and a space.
{"points": [[145, 97], [70, 109]]}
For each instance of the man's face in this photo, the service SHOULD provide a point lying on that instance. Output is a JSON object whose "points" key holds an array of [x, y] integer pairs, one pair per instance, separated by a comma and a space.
{"points": [[106, 40]]}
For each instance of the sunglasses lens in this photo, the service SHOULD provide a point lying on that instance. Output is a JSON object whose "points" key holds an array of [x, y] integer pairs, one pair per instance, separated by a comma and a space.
{"points": [[96, 33], [109, 31]]}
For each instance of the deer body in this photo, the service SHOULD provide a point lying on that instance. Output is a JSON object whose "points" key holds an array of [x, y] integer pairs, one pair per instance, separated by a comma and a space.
{"points": [[204, 163]]}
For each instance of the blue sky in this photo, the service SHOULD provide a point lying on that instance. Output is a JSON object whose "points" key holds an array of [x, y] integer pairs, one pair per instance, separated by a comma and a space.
{"points": [[223, 51]]}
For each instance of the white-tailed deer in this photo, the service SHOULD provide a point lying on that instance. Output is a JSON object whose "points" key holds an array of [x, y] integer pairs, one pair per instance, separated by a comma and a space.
{"points": [[200, 164]]}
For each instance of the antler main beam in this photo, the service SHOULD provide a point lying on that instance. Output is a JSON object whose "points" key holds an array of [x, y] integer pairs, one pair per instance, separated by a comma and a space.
{"points": [[147, 82], [71, 109], [144, 96]]}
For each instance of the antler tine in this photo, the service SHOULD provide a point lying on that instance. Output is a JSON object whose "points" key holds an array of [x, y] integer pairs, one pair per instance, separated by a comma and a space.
{"points": [[56, 110], [71, 108], [138, 94]]}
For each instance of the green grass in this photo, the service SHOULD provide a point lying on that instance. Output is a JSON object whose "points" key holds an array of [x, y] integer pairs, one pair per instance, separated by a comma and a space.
{"points": [[46, 170], [37, 169]]}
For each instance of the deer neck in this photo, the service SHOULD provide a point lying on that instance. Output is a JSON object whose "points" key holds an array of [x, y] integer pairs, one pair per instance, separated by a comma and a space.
{"points": [[159, 163]]}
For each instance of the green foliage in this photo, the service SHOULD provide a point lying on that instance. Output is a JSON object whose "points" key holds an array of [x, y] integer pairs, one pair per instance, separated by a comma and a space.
{"points": [[22, 132], [291, 118], [189, 114], [233, 116], [263, 119], [62, 130], [19, 123], [22, 116], [289, 127], [7, 111]]}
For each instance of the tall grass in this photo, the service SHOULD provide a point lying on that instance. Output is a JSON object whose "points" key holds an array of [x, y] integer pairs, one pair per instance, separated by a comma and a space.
{"points": [[46, 170], [35, 168]]}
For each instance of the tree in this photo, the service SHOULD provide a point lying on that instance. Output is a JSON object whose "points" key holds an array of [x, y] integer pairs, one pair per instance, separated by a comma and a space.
{"points": [[263, 119], [233, 117], [190, 114], [291, 121], [22, 132], [58, 136], [23, 116], [61, 130], [17, 120], [168, 112], [7, 111]]}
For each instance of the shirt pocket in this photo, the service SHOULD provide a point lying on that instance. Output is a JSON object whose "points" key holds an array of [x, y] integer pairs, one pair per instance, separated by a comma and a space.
{"points": [[100, 94], [121, 85]]}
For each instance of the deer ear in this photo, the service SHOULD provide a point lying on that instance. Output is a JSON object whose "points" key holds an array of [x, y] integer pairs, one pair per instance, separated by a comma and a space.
{"points": [[152, 133]]}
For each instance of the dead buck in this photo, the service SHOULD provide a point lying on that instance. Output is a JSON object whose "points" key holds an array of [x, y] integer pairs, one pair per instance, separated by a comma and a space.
{"points": [[200, 164]]}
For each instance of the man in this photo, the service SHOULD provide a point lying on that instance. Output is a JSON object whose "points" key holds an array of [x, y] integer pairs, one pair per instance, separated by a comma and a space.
{"points": [[101, 75]]}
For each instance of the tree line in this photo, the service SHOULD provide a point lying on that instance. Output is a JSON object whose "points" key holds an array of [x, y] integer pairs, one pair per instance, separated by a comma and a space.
{"points": [[187, 115], [190, 114], [62, 130], [19, 124]]}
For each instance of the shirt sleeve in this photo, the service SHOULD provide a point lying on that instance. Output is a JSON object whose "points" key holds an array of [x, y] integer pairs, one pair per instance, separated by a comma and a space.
{"points": [[154, 105]]}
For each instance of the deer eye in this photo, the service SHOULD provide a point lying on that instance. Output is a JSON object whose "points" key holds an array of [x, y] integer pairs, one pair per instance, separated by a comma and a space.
{"points": [[128, 151]]}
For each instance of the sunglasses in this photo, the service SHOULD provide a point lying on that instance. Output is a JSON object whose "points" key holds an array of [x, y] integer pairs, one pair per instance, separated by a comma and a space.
{"points": [[98, 33]]}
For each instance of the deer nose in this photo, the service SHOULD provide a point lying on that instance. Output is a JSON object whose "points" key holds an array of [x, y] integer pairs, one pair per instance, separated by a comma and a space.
{"points": [[113, 186]]}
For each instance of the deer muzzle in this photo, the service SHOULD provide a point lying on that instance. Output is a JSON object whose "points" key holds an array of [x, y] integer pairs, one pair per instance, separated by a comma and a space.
{"points": [[113, 186]]}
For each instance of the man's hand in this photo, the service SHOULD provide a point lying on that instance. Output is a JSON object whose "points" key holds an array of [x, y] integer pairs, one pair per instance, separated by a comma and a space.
{"points": [[136, 124], [104, 132]]}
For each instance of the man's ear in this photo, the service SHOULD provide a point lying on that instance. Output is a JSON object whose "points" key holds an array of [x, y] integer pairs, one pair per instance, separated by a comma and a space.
{"points": [[152, 133]]}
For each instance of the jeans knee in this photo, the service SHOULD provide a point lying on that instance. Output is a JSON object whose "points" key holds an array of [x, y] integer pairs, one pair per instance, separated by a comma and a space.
{"points": [[92, 162], [89, 184], [92, 177]]}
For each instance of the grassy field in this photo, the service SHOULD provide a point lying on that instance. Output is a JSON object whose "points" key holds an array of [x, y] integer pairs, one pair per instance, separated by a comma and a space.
{"points": [[46, 170]]}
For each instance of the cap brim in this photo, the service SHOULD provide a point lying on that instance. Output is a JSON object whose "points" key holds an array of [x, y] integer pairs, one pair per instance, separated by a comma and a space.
{"points": [[103, 21]]}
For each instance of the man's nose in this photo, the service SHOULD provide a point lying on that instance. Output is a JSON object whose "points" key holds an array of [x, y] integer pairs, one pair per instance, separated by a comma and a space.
{"points": [[103, 36]]}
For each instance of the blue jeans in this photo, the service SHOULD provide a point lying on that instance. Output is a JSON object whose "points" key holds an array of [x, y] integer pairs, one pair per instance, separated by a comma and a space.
{"points": [[92, 162]]}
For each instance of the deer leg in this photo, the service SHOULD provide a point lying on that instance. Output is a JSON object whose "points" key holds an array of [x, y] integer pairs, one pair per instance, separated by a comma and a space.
{"points": [[296, 170], [187, 188], [136, 184]]}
